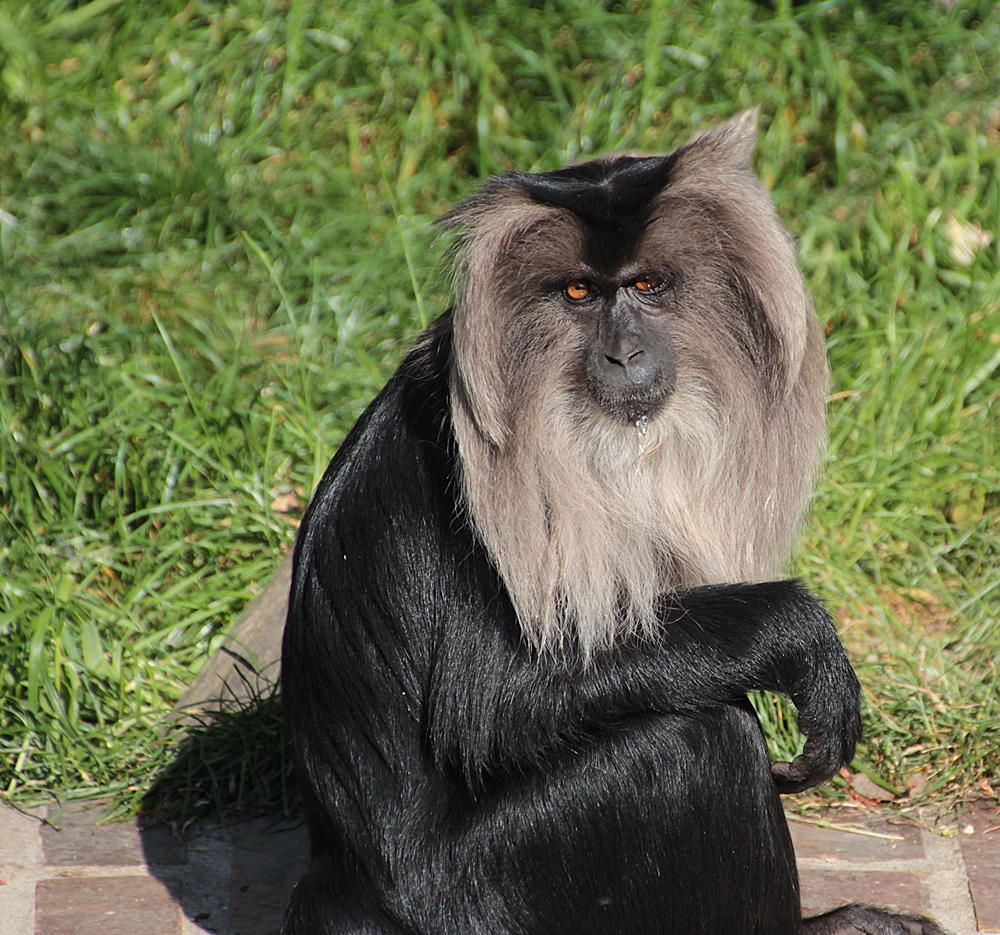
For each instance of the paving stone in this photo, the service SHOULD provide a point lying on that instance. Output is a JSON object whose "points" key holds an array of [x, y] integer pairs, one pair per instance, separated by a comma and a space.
{"points": [[825, 889], [205, 881], [268, 859], [878, 840], [19, 832], [127, 905], [981, 850], [75, 838], [20, 862]]}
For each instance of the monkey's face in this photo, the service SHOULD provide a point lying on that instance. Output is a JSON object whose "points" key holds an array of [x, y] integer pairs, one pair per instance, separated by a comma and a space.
{"points": [[629, 358], [657, 287]]}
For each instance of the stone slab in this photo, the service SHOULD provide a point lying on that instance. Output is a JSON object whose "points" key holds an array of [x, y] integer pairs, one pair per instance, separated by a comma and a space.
{"points": [[825, 889], [979, 836], [856, 841], [126, 905], [268, 860], [77, 838], [20, 864]]}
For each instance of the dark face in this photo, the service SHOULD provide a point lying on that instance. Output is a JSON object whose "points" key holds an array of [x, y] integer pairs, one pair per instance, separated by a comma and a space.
{"points": [[629, 367], [622, 303]]}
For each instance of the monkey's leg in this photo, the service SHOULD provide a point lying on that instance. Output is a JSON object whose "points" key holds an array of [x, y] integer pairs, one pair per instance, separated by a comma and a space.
{"points": [[869, 920], [663, 825]]}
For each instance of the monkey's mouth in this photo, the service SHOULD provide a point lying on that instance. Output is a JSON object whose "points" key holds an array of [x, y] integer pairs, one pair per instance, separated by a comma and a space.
{"points": [[630, 408], [624, 398]]}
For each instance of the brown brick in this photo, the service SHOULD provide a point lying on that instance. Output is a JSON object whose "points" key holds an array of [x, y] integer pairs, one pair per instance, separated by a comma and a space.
{"points": [[825, 889], [268, 860], [981, 850], [106, 906], [75, 838], [894, 841]]}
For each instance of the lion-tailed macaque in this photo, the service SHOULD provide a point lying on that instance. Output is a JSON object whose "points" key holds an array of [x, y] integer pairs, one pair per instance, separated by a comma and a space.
{"points": [[531, 592]]}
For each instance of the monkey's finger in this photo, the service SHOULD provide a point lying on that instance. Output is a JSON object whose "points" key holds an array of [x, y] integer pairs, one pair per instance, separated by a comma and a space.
{"points": [[800, 774], [788, 779]]}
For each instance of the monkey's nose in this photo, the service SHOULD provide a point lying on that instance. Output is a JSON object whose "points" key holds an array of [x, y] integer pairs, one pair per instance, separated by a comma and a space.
{"points": [[627, 366]]}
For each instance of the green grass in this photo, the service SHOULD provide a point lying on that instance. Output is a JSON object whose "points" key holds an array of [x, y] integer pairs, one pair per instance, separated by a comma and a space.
{"points": [[215, 245]]}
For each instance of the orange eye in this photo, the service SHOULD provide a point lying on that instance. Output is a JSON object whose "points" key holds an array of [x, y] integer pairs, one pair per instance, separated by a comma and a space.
{"points": [[577, 290], [647, 284]]}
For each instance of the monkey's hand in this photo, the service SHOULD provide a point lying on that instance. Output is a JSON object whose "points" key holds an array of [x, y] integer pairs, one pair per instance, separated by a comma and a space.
{"points": [[827, 695]]}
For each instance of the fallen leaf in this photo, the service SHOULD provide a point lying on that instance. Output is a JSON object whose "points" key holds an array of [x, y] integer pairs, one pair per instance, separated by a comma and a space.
{"points": [[286, 503], [967, 239], [863, 786]]}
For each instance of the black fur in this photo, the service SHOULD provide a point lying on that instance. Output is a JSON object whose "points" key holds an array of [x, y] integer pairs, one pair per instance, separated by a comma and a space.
{"points": [[612, 198], [457, 781]]}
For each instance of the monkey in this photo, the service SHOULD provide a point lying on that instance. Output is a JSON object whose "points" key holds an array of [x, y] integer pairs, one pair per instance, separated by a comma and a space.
{"points": [[542, 572]]}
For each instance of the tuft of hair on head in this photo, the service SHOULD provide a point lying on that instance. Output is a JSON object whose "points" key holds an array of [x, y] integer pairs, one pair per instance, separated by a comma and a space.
{"points": [[733, 141]]}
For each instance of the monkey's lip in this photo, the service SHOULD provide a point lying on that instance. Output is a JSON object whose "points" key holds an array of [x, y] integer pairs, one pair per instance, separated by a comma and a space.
{"points": [[632, 408], [628, 404]]}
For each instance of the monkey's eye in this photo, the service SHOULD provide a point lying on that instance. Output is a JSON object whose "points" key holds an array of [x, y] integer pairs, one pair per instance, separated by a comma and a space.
{"points": [[578, 290], [649, 285]]}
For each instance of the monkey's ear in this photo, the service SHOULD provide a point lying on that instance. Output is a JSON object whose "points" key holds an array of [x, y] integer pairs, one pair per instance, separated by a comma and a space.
{"points": [[727, 146]]}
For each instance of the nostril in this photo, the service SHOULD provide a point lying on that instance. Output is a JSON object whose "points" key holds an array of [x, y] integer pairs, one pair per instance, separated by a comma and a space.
{"points": [[623, 358]]}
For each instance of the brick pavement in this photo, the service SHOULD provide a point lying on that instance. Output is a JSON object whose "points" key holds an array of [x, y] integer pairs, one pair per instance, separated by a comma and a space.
{"points": [[75, 877]]}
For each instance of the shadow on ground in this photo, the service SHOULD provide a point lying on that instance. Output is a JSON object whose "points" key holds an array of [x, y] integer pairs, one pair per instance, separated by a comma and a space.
{"points": [[228, 792], [228, 796], [229, 760]]}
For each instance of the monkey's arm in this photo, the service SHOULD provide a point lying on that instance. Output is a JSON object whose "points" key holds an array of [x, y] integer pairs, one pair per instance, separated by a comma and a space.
{"points": [[784, 641], [716, 644]]}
